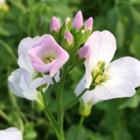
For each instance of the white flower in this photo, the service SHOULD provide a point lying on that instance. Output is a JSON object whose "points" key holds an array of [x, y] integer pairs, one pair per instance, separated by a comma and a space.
{"points": [[114, 80], [10, 134], [24, 82], [87, 100]]}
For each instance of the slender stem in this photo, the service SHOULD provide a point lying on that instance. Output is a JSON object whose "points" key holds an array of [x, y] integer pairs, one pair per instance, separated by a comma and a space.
{"points": [[79, 127], [70, 68], [5, 116], [71, 103], [9, 50], [55, 82], [50, 116], [48, 110], [60, 111]]}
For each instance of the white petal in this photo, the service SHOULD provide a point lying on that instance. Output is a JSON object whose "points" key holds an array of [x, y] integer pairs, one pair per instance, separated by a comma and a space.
{"points": [[10, 134], [88, 96], [114, 88], [13, 81], [26, 44], [103, 46], [28, 94], [127, 68]]}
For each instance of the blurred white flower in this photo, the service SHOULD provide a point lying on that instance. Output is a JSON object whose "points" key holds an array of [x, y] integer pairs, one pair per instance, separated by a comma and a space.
{"points": [[10, 134]]}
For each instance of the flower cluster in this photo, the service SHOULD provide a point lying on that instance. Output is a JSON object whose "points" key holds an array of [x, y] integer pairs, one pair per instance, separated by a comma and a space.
{"points": [[41, 60]]}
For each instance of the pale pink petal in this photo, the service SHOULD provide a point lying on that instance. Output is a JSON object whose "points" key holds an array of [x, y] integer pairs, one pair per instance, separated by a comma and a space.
{"points": [[103, 46], [47, 46], [26, 44], [114, 88], [78, 20], [127, 68]]}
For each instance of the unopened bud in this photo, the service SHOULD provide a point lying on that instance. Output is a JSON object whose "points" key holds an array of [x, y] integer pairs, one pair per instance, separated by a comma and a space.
{"points": [[54, 25], [84, 51], [78, 20], [67, 42], [89, 24], [68, 23]]}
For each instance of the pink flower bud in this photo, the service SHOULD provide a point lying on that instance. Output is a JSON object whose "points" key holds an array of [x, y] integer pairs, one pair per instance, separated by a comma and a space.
{"points": [[84, 51], [69, 37], [54, 24], [67, 19], [89, 23], [78, 20]]}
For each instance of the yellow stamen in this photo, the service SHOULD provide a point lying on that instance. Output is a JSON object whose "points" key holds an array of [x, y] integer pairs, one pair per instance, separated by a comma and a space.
{"points": [[47, 60], [105, 75], [97, 80], [107, 69], [99, 63], [98, 70]]}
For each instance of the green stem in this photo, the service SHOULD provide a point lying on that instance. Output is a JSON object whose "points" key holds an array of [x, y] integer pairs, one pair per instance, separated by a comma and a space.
{"points": [[60, 111], [55, 82], [70, 68], [71, 103], [79, 127], [50, 116], [5, 116]]}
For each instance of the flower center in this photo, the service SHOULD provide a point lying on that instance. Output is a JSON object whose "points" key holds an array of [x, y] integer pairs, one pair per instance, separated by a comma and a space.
{"points": [[101, 73], [47, 60]]}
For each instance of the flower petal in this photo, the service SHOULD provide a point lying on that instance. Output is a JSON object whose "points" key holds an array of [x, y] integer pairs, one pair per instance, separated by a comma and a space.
{"points": [[103, 46], [114, 88], [48, 46], [88, 96], [13, 81], [127, 68], [26, 44], [10, 134]]}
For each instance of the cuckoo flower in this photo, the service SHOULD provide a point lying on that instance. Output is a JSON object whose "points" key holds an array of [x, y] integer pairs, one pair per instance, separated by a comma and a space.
{"points": [[78, 21], [24, 81], [10, 134], [117, 79], [47, 55]]}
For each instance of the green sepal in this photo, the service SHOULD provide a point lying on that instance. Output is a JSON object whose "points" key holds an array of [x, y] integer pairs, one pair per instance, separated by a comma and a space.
{"points": [[39, 102], [85, 109], [81, 61], [76, 58], [55, 34], [65, 44], [63, 30], [92, 86]]}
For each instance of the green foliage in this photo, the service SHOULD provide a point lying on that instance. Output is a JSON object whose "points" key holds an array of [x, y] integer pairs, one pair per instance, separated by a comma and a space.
{"points": [[116, 119]]}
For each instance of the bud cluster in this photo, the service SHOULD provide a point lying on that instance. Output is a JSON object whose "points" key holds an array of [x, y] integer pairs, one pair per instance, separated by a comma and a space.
{"points": [[72, 34]]}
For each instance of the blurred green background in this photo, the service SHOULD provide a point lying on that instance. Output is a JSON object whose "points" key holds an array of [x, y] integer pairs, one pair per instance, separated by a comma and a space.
{"points": [[117, 119]]}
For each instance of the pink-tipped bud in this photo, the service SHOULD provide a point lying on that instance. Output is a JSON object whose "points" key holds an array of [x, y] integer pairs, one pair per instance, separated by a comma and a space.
{"points": [[69, 37], [67, 20], [78, 20], [55, 25], [89, 23], [84, 51]]}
